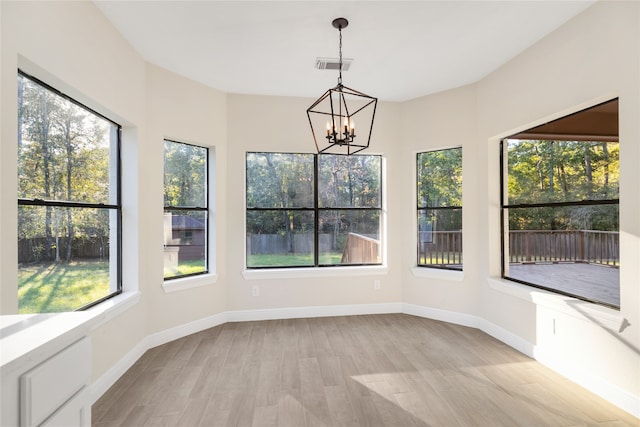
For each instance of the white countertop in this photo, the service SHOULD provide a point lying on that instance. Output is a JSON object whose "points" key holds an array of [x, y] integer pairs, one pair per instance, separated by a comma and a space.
{"points": [[28, 337]]}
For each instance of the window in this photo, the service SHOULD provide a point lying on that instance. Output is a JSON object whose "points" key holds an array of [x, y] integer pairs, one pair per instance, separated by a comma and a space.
{"points": [[439, 197], [560, 206], [186, 212], [69, 215], [307, 210]]}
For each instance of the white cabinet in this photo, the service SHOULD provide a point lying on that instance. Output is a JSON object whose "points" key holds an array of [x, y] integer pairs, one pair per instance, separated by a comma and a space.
{"points": [[76, 412], [54, 389], [45, 369]]}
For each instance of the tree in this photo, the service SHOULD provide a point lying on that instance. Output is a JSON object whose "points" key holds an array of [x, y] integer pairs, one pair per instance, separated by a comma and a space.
{"points": [[63, 155], [440, 186], [542, 171]]}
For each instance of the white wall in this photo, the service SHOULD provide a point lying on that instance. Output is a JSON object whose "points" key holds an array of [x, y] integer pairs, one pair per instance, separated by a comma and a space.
{"points": [[444, 120], [593, 57], [262, 123], [71, 46], [183, 111]]}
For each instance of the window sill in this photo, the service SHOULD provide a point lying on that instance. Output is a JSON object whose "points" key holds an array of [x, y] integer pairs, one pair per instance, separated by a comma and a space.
{"points": [[24, 337], [593, 313], [296, 273], [113, 307], [438, 273], [185, 283]]}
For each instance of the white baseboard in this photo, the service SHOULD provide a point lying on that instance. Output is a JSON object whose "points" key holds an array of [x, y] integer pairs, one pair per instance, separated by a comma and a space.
{"points": [[610, 392], [109, 378], [442, 315], [607, 391], [317, 311], [471, 321], [507, 337], [180, 331]]}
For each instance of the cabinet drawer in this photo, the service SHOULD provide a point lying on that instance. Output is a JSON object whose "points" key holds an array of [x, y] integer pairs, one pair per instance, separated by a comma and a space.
{"points": [[49, 385], [72, 414]]}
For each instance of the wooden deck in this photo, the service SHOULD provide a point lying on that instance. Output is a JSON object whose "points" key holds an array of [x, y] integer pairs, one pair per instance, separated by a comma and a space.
{"points": [[595, 282]]}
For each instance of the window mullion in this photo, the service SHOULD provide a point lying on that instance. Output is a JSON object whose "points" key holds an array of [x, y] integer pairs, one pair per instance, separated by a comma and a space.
{"points": [[316, 214]]}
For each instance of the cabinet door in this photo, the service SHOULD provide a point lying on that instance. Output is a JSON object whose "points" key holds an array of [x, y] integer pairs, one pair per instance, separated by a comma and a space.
{"points": [[50, 385], [72, 414]]}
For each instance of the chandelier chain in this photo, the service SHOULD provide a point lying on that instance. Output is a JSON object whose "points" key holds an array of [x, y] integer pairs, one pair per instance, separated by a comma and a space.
{"points": [[340, 66]]}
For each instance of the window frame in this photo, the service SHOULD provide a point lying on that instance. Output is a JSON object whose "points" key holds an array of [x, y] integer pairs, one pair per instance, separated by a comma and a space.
{"points": [[504, 223], [206, 209], [84, 205], [316, 209], [420, 208]]}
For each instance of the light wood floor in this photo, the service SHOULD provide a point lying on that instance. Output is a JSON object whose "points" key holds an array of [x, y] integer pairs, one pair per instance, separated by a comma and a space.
{"points": [[376, 370]]}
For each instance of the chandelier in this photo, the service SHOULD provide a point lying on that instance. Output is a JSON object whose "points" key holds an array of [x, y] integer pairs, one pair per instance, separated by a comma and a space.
{"points": [[337, 108]]}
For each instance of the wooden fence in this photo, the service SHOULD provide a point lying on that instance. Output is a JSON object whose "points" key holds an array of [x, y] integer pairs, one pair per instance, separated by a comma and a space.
{"points": [[360, 249], [277, 244], [36, 250]]}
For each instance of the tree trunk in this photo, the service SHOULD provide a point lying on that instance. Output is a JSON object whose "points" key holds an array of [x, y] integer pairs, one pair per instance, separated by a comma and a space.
{"points": [[46, 160], [539, 169], [563, 178], [288, 219], [588, 172], [605, 152], [552, 161], [20, 111], [69, 188], [336, 195]]}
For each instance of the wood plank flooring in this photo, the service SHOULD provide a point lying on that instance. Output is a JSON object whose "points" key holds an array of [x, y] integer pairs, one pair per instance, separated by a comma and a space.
{"points": [[374, 370]]}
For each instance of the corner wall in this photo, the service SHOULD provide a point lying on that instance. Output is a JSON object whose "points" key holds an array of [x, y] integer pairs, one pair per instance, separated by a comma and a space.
{"points": [[71, 46], [279, 124], [74, 48], [592, 58]]}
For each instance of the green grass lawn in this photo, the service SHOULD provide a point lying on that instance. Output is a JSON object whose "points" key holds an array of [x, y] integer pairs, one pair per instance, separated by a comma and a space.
{"points": [[186, 267], [52, 288], [289, 260]]}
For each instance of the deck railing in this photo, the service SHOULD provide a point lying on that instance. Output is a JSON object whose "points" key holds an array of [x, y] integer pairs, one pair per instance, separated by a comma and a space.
{"points": [[528, 246], [442, 248], [589, 246]]}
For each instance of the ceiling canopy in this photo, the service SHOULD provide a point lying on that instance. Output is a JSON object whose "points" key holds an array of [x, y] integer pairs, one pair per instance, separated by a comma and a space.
{"points": [[598, 123]]}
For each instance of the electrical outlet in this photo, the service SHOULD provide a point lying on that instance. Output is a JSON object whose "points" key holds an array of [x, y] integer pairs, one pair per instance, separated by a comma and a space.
{"points": [[376, 284], [255, 291]]}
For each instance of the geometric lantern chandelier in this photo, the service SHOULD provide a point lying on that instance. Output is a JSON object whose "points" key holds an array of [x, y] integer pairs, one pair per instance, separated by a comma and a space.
{"points": [[336, 112]]}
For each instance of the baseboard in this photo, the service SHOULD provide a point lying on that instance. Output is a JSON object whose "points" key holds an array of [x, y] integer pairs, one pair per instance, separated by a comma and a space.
{"points": [[316, 311], [109, 378], [442, 315], [507, 337], [180, 331], [609, 392]]}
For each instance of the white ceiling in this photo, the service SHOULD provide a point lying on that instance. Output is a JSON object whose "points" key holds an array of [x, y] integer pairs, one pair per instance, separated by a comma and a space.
{"points": [[401, 49]]}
